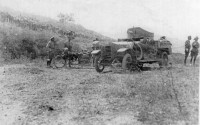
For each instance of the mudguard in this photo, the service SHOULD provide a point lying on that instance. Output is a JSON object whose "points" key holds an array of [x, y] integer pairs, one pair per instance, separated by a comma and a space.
{"points": [[121, 52], [95, 52]]}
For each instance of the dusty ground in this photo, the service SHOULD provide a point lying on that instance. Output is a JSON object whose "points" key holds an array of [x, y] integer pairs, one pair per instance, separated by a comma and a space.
{"points": [[31, 94]]}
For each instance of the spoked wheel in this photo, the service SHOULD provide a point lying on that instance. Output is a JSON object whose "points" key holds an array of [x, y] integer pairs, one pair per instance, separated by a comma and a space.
{"points": [[126, 62], [164, 62], [59, 61], [98, 66]]}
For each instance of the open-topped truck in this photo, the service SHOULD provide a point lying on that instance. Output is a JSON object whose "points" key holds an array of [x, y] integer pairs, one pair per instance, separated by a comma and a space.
{"points": [[131, 53]]}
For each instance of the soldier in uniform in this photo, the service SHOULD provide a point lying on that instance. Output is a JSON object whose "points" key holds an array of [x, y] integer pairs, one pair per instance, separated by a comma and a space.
{"points": [[187, 48], [194, 51], [95, 46], [51, 46]]}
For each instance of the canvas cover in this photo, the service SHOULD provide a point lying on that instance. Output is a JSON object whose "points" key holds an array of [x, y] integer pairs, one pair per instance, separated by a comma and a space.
{"points": [[137, 32]]}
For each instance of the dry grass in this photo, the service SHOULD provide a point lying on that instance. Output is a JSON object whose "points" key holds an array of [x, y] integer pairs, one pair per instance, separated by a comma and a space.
{"points": [[82, 96]]}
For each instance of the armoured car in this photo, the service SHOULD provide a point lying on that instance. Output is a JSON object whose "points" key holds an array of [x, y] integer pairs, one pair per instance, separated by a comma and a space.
{"points": [[133, 52]]}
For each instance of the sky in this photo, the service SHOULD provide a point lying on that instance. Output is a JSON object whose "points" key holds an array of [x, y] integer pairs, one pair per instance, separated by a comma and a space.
{"points": [[171, 18]]}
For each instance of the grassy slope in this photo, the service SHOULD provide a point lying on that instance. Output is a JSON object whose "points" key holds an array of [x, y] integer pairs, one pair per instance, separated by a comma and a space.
{"points": [[84, 38]]}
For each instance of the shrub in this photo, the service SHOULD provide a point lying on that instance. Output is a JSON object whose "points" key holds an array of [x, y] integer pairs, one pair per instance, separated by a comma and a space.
{"points": [[27, 36]]}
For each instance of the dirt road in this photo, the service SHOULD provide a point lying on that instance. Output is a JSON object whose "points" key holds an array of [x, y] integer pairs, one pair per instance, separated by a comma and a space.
{"points": [[34, 95]]}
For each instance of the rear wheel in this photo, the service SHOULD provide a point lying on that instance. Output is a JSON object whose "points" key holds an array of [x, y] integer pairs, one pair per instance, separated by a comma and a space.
{"points": [[59, 61], [126, 62], [138, 51], [98, 66], [164, 61]]}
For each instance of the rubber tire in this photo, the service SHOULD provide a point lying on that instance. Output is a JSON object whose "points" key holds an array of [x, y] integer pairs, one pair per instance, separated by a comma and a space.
{"points": [[141, 55], [59, 57], [124, 61], [97, 65], [164, 62]]}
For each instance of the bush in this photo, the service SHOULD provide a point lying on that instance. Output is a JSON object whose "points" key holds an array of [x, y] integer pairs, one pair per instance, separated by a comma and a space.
{"points": [[29, 39], [16, 42]]}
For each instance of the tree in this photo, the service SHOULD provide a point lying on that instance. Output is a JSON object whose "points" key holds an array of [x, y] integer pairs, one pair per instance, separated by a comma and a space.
{"points": [[63, 18]]}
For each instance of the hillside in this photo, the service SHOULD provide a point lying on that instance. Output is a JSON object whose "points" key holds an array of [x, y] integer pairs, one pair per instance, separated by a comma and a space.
{"points": [[16, 27], [45, 22]]}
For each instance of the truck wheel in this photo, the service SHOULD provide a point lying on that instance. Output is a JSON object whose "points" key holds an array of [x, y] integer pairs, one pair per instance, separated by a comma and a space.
{"points": [[126, 62], [138, 51], [98, 66], [164, 61]]}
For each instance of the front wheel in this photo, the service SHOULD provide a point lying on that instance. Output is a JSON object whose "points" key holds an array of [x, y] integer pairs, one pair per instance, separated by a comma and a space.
{"points": [[98, 66], [126, 62], [59, 61]]}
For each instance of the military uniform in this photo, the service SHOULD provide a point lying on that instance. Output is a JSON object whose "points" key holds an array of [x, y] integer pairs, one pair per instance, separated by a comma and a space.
{"points": [[194, 51], [195, 47], [187, 49], [51, 46], [95, 46]]}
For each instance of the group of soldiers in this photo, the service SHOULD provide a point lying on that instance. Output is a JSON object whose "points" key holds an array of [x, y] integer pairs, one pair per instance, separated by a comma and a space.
{"points": [[51, 48], [191, 49], [193, 52]]}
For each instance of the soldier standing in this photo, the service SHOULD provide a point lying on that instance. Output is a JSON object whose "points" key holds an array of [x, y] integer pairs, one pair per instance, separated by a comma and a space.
{"points": [[71, 36], [194, 51], [187, 48], [51, 46], [95, 46]]}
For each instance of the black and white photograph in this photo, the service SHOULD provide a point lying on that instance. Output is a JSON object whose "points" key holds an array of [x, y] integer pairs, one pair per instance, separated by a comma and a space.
{"points": [[99, 62]]}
